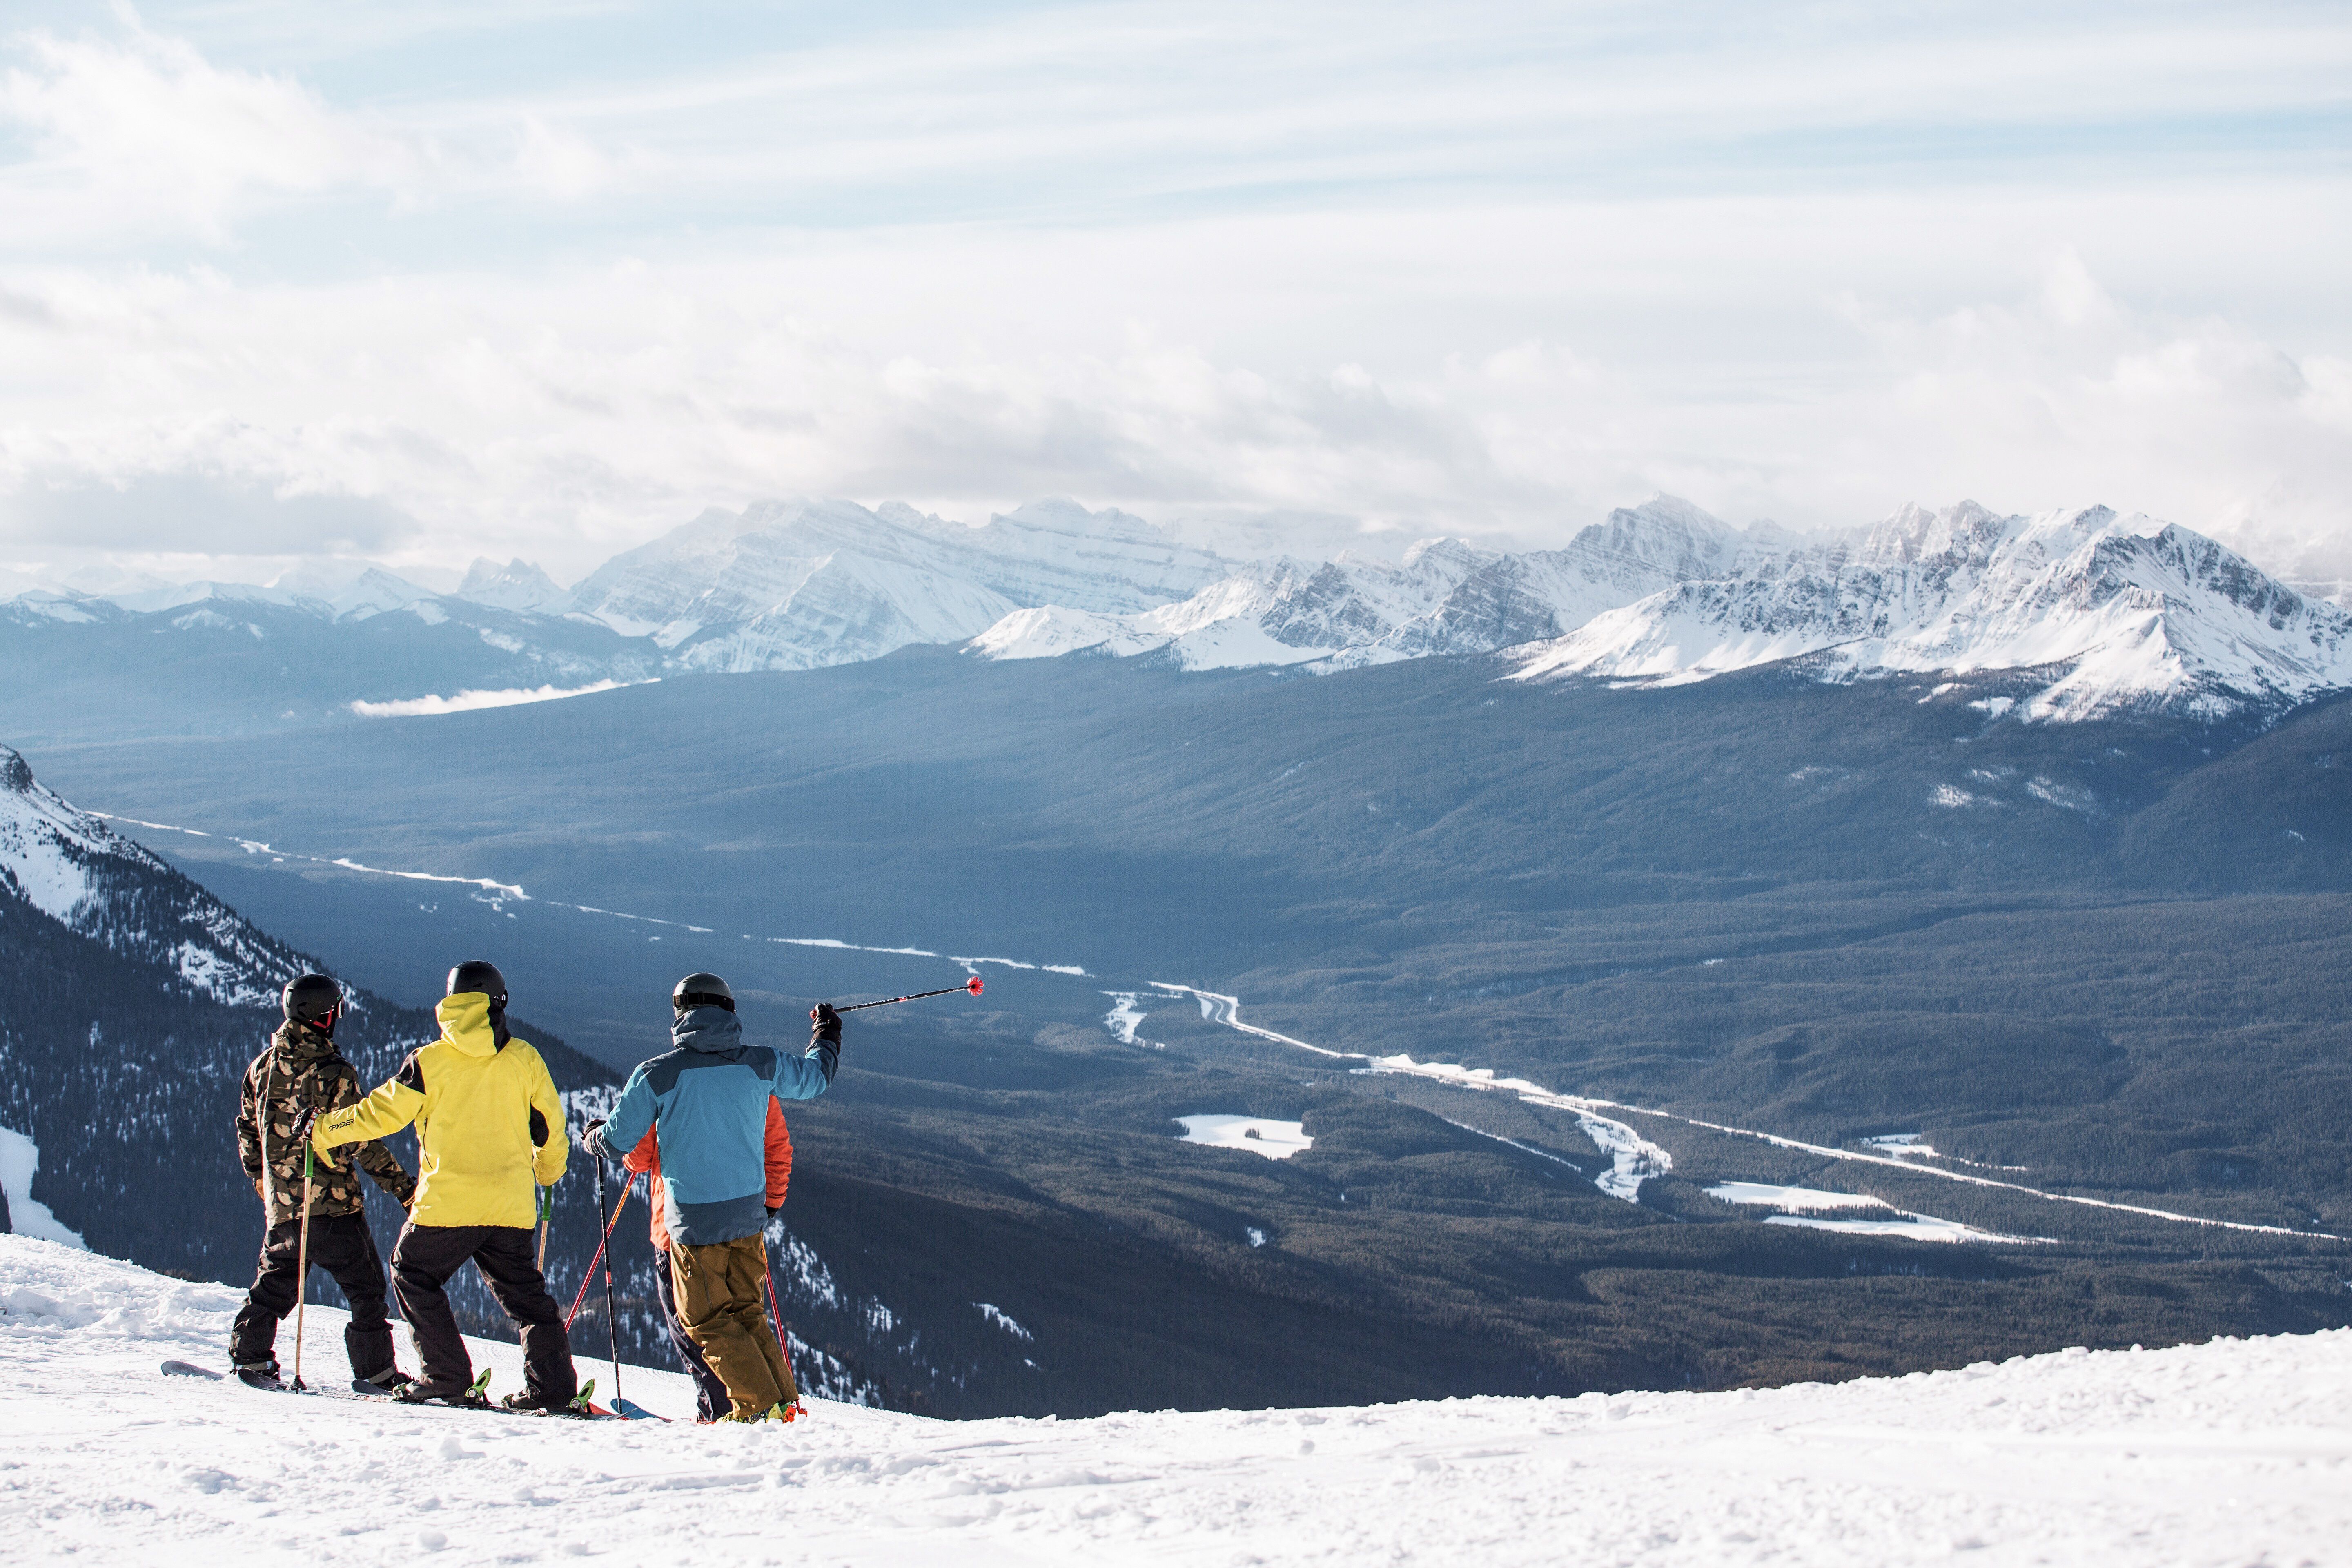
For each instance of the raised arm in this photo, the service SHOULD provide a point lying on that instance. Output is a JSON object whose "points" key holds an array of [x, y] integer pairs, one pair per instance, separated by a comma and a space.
{"points": [[372, 1156], [396, 1103], [808, 1075], [632, 1118]]}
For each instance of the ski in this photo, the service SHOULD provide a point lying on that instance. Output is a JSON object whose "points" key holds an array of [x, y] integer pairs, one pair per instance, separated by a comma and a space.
{"points": [[630, 1410], [261, 1381]]}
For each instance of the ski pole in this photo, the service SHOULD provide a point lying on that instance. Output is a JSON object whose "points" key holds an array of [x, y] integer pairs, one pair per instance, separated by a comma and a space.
{"points": [[971, 985], [546, 1212], [776, 1317], [612, 1323], [600, 1246], [302, 1264]]}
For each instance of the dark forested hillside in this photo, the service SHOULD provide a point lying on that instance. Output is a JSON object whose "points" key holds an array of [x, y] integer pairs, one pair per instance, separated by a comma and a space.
{"points": [[2096, 958]]}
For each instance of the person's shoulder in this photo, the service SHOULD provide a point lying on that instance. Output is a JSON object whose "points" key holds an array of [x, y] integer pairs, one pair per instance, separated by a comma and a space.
{"points": [[529, 1053], [669, 1060]]}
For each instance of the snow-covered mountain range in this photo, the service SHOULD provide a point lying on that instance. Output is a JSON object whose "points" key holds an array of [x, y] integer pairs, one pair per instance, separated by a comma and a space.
{"points": [[1446, 597], [69, 865], [2113, 614], [794, 586], [2106, 613]]}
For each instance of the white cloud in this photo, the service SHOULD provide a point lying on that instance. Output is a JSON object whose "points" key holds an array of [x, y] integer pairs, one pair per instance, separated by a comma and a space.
{"points": [[133, 133], [1487, 268]]}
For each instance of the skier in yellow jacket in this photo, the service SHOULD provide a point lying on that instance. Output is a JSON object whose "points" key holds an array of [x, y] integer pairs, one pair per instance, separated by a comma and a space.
{"points": [[489, 1126]]}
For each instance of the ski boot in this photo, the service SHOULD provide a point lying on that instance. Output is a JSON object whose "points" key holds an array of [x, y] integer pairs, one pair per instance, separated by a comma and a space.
{"points": [[258, 1373], [390, 1381], [579, 1404], [469, 1396]]}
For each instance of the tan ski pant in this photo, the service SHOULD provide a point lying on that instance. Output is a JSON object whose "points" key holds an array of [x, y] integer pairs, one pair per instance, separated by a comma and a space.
{"points": [[721, 1301]]}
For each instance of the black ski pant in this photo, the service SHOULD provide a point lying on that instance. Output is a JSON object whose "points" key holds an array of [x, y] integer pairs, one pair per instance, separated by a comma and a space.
{"points": [[423, 1259], [710, 1394], [342, 1244]]}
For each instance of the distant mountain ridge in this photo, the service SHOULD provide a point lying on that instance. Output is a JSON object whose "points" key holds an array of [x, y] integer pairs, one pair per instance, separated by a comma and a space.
{"points": [[2115, 614], [2121, 613], [1448, 597]]}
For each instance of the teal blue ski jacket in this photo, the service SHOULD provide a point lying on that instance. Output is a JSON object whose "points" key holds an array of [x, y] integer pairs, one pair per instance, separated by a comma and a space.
{"points": [[708, 1097]]}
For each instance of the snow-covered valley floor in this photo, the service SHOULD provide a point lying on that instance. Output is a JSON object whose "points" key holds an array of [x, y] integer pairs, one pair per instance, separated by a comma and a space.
{"points": [[2237, 1452]]}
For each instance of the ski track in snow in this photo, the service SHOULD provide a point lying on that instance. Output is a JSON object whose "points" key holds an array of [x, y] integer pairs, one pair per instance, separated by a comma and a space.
{"points": [[2232, 1452]]}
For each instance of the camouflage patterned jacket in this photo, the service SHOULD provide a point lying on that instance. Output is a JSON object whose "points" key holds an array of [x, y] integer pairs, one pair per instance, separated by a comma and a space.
{"points": [[302, 1070]]}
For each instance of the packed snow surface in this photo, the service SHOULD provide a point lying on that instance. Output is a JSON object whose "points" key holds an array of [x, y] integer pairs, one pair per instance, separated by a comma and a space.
{"points": [[2232, 1452], [1256, 1134]]}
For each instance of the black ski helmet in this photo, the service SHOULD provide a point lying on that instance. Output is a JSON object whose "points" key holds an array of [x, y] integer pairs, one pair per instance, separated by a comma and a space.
{"points": [[478, 974], [312, 999], [702, 991]]}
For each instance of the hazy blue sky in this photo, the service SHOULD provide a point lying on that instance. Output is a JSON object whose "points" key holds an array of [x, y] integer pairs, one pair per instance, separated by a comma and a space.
{"points": [[424, 281]]}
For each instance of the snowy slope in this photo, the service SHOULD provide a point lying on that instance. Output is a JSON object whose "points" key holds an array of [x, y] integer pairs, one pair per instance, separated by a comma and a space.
{"points": [[799, 584], [2123, 614], [2232, 1452], [1446, 596], [72, 868]]}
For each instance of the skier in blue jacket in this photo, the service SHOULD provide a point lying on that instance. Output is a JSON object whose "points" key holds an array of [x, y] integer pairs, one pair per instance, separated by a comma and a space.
{"points": [[708, 1098]]}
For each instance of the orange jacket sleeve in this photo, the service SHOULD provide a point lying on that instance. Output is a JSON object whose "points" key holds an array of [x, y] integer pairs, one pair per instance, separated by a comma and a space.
{"points": [[780, 1154], [645, 1158]]}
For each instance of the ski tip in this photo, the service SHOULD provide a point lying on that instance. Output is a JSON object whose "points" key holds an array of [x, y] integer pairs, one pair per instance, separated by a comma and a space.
{"points": [[630, 1410], [189, 1369]]}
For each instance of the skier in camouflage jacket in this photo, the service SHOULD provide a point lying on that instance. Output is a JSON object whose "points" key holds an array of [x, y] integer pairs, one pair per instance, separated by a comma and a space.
{"points": [[300, 1077]]}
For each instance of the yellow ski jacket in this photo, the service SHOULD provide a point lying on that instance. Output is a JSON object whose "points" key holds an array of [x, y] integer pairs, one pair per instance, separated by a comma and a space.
{"points": [[489, 1123]]}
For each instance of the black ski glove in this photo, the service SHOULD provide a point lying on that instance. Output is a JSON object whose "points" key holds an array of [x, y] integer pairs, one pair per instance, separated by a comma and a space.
{"points": [[825, 1037], [592, 1138]]}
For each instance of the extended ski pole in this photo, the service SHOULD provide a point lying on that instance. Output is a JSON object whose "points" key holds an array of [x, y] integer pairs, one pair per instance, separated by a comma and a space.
{"points": [[612, 1323], [584, 1279], [302, 1265], [971, 985]]}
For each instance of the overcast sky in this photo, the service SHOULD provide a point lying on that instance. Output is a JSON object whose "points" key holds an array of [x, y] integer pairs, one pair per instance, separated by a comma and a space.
{"points": [[436, 278]]}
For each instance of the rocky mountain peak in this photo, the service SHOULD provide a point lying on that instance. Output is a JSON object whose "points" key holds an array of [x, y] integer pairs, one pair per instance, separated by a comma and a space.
{"points": [[519, 585]]}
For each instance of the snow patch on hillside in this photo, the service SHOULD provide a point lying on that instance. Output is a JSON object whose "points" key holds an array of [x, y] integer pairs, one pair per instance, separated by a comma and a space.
{"points": [[20, 1161], [1796, 1200], [1804, 1205], [469, 701], [1251, 1134]]}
